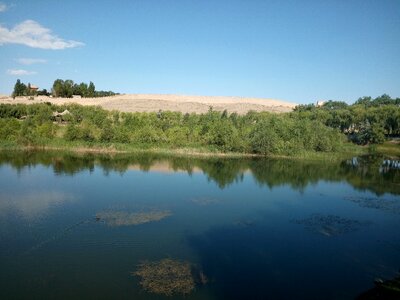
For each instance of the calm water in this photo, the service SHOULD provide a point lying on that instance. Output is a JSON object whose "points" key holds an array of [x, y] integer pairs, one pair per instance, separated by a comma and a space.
{"points": [[74, 226]]}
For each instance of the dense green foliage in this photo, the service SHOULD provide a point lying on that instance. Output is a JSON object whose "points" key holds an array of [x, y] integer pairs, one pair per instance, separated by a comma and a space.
{"points": [[67, 88], [367, 121], [260, 133]]}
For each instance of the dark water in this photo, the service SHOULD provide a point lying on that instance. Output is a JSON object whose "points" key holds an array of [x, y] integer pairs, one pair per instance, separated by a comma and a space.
{"points": [[257, 228]]}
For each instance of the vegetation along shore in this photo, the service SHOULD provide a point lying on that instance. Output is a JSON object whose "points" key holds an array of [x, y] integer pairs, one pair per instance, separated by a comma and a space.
{"points": [[308, 131]]}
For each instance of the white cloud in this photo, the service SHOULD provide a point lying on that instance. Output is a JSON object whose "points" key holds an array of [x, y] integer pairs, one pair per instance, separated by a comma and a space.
{"points": [[31, 61], [20, 72], [3, 7], [32, 34]]}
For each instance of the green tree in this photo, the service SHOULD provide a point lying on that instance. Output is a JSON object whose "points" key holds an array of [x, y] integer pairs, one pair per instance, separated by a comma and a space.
{"points": [[20, 89], [369, 134], [365, 101], [83, 89], [58, 88], [91, 90], [68, 88]]}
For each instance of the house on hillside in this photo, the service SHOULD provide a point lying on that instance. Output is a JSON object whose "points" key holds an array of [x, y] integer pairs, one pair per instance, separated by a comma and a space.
{"points": [[320, 103], [33, 88]]}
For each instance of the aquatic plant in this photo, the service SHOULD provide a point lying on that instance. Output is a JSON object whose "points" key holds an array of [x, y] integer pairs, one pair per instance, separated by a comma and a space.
{"points": [[330, 225], [392, 206], [122, 218], [167, 277]]}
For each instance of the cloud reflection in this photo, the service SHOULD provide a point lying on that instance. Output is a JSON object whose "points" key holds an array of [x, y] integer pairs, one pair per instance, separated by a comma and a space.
{"points": [[31, 205]]}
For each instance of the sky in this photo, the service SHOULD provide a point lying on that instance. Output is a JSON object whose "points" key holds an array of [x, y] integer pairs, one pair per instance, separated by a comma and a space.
{"points": [[298, 51]]}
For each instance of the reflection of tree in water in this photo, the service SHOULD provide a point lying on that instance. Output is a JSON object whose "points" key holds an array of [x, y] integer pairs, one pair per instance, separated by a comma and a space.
{"points": [[121, 218], [372, 173], [224, 171], [330, 225], [297, 174], [392, 206], [169, 277]]}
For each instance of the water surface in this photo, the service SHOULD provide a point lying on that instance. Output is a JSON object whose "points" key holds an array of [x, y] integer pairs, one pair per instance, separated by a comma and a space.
{"points": [[78, 226]]}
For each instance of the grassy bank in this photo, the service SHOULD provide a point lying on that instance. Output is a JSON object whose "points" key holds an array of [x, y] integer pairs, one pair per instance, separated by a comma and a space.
{"points": [[115, 148], [389, 148]]}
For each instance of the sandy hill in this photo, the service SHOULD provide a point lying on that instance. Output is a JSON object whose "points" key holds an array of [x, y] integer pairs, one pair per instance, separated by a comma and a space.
{"points": [[182, 103]]}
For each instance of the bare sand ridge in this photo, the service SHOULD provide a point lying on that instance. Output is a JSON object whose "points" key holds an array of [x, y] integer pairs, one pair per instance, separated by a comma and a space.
{"points": [[154, 103]]}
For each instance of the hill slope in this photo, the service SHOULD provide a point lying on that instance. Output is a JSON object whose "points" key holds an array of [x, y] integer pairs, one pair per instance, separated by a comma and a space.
{"points": [[182, 103]]}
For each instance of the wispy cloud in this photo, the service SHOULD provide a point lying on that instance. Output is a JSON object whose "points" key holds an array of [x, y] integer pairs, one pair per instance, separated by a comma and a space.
{"points": [[31, 33], [20, 72], [3, 7], [31, 61]]}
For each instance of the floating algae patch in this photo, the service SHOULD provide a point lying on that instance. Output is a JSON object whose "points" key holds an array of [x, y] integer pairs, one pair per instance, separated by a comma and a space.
{"points": [[330, 225], [392, 206], [122, 218], [169, 277]]}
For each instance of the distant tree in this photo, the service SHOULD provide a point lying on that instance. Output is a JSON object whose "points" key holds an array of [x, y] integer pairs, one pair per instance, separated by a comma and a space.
{"points": [[63, 88], [366, 101], [68, 88], [20, 89], [383, 100], [58, 88], [91, 90], [83, 88], [76, 90]]}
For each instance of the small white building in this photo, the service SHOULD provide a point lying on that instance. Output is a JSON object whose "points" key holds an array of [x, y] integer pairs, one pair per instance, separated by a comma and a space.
{"points": [[320, 103]]}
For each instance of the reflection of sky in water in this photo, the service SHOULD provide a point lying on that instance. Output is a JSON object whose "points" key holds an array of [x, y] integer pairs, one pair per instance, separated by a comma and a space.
{"points": [[32, 204], [30, 192]]}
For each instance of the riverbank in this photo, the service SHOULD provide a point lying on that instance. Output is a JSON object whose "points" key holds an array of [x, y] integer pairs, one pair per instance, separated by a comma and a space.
{"points": [[389, 148], [201, 152]]}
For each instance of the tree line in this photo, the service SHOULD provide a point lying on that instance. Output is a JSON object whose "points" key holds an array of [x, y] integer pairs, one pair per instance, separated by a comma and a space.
{"points": [[260, 133], [366, 121], [61, 88]]}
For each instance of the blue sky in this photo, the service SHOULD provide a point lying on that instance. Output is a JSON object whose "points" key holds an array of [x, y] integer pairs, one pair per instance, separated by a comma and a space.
{"points": [[299, 51]]}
